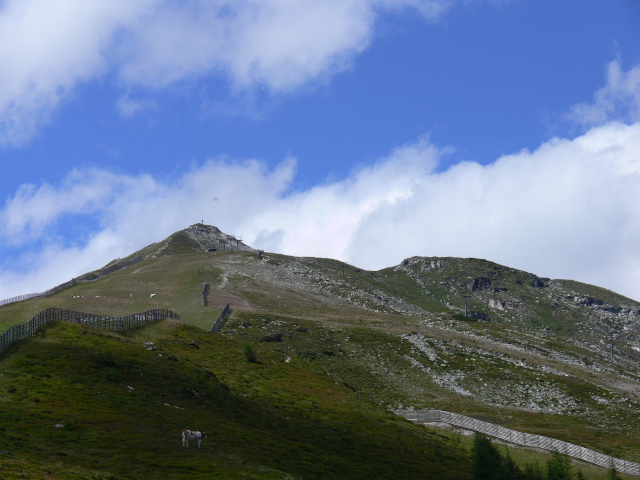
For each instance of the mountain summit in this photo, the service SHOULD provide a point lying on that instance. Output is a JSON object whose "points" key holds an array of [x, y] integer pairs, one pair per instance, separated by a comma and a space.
{"points": [[196, 238]]}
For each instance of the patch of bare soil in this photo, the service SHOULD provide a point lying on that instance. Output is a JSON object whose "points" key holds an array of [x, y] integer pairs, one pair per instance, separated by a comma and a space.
{"points": [[219, 299]]}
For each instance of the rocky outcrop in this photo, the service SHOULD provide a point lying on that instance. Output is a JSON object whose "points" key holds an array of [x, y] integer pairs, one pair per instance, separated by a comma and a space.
{"points": [[196, 238], [481, 283], [538, 282], [480, 316], [497, 304], [580, 311], [588, 301]]}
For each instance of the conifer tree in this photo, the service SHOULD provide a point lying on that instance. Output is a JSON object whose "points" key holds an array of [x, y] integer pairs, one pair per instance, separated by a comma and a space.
{"points": [[559, 467], [485, 457], [533, 472], [613, 473]]}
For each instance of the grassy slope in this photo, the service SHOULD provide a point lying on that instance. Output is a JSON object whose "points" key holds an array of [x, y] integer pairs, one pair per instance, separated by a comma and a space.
{"points": [[373, 363], [273, 419], [177, 281], [118, 403]]}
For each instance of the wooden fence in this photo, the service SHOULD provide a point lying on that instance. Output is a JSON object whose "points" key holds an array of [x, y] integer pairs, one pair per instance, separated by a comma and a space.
{"points": [[216, 326], [520, 438], [18, 332], [90, 277], [205, 292]]}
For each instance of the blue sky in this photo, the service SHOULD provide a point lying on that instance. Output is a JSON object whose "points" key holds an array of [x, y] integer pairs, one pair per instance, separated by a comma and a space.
{"points": [[365, 130]]}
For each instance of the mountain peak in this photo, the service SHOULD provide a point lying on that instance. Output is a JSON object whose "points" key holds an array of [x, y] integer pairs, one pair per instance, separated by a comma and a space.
{"points": [[195, 238]]}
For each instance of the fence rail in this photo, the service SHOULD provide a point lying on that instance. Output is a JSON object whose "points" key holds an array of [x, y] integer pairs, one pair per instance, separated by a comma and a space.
{"points": [[98, 274], [28, 329], [521, 438], [216, 326]]}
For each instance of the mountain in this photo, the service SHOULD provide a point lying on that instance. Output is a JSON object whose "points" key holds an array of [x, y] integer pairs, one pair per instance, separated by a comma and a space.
{"points": [[338, 347], [196, 238], [581, 313]]}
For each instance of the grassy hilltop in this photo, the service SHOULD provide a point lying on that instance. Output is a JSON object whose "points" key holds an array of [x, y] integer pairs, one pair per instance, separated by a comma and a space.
{"points": [[337, 349]]}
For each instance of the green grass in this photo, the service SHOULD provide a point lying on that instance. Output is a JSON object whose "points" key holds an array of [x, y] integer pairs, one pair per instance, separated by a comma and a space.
{"points": [[372, 363], [123, 408], [176, 280]]}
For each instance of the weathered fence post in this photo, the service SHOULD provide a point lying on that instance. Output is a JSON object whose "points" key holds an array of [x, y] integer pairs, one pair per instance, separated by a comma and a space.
{"points": [[220, 319], [205, 292]]}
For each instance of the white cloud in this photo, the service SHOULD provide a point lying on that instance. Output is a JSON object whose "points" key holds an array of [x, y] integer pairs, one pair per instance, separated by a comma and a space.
{"points": [[618, 100], [48, 47], [277, 44], [32, 208], [566, 210], [327, 217]]}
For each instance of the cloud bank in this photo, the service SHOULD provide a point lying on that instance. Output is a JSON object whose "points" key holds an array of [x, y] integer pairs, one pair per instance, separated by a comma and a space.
{"points": [[49, 47], [566, 210]]}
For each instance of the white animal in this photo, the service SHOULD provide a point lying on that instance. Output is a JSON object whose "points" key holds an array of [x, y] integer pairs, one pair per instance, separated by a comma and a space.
{"points": [[191, 435], [152, 295]]}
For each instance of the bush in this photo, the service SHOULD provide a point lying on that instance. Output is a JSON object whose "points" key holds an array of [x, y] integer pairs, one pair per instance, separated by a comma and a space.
{"points": [[249, 354]]}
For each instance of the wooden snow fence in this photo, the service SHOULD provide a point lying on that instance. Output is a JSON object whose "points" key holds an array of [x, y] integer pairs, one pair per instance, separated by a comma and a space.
{"points": [[218, 324], [28, 329], [521, 438]]}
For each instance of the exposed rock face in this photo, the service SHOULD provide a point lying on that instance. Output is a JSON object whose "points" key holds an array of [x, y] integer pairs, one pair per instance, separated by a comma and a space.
{"points": [[588, 301], [208, 237], [480, 316], [493, 303], [538, 282], [577, 310], [481, 283]]}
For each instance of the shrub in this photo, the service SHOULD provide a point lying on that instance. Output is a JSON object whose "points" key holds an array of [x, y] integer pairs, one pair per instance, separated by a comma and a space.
{"points": [[249, 354]]}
